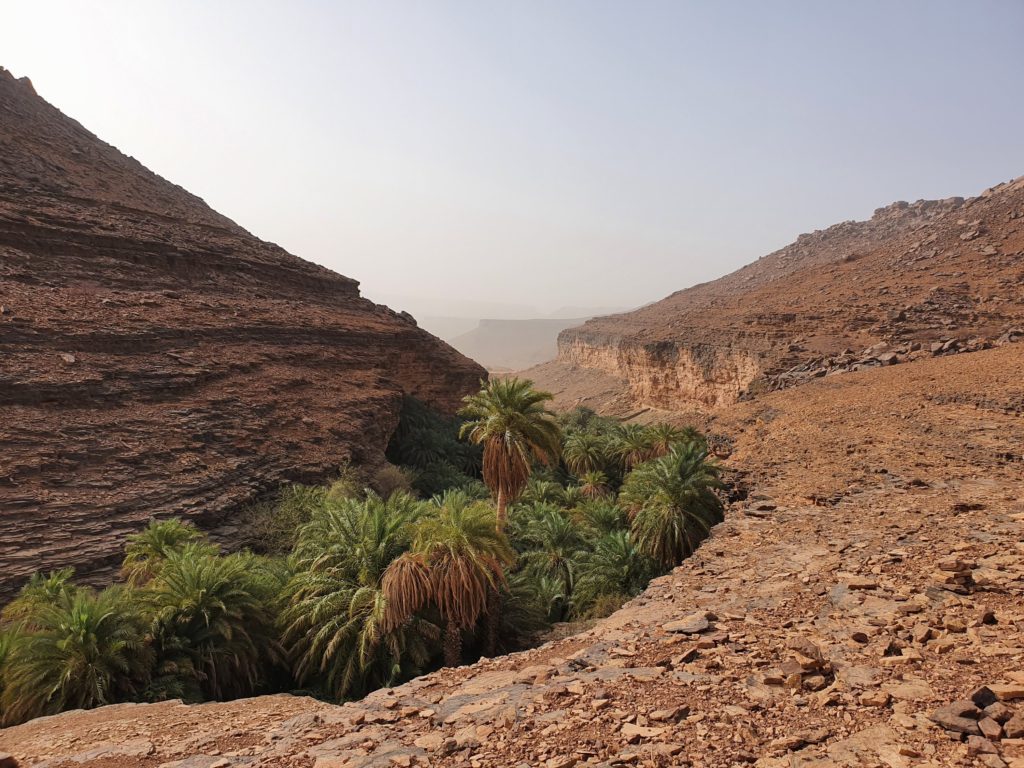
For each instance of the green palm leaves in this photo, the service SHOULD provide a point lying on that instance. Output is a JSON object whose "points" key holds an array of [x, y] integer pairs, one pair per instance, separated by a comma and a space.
{"points": [[211, 620], [335, 624], [456, 561], [376, 590], [82, 651], [672, 502], [507, 417], [146, 552]]}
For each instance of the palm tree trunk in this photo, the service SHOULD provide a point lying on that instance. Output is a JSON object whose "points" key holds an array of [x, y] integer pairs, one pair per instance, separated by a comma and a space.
{"points": [[452, 644], [493, 624], [502, 513]]}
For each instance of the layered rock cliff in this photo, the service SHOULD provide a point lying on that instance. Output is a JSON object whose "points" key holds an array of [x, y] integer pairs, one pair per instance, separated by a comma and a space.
{"points": [[941, 273], [156, 359]]}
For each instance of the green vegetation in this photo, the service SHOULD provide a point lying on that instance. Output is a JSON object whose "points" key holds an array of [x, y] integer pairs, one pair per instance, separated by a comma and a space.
{"points": [[527, 520]]}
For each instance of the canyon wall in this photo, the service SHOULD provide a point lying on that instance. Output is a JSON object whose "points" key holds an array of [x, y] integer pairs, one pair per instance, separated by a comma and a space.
{"points": [[933, 277], [660, 374], [156, 359]]}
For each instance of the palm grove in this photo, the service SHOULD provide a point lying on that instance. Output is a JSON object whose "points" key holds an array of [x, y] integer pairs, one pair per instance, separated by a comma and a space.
{"points": [[497, 525]]}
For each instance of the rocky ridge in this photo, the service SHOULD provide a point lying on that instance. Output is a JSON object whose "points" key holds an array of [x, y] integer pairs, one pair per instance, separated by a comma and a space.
{"points": [[862, 608], [156, 359], [914, 275]]}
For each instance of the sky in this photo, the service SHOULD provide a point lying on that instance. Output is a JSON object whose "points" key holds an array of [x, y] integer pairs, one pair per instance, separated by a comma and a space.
{"points": [[508, 159]]}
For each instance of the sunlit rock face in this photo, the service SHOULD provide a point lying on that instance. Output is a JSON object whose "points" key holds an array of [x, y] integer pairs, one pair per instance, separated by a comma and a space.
{"points": [[156, 359]]}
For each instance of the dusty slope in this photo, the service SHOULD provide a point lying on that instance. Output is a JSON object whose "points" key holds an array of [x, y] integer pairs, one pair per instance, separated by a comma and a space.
{"points": [[884, 532], [157, 359], [914, 274]]}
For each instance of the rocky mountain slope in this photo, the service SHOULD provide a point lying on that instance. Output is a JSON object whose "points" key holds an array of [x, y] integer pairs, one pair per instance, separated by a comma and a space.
{"points": [[864, 607], [156, 359], [931, 277]]}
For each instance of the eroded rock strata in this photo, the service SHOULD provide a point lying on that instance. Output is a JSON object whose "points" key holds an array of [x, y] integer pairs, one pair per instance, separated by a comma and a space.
{"points": [[864, 607], [156, 359], [917, 279]]}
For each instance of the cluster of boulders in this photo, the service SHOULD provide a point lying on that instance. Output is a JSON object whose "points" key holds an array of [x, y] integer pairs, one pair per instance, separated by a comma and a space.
{"points": [[988, 717], [882, 354]]}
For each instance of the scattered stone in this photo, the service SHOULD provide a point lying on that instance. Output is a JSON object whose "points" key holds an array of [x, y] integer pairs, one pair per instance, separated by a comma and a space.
{"points": [[1014, 727], [692, 625], [960, 717], [1008, 691]]}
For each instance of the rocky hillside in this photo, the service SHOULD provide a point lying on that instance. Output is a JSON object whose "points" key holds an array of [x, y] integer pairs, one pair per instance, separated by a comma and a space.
{"points": [[884, 626], [156, 359], [931, 277]]}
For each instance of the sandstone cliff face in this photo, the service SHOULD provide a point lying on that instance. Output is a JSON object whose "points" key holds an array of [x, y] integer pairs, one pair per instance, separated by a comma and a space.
{"points": [[942, 272], [156, 359]]}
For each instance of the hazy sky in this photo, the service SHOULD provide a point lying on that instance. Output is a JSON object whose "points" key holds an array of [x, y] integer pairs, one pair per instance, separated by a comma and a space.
{"points": [[539, 154]]}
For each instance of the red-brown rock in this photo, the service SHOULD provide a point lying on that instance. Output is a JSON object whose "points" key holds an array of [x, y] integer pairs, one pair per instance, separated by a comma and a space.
{"points": [[156, 359]]}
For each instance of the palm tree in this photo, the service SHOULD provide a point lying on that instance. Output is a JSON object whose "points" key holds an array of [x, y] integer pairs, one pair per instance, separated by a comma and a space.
{"points": [[146, 552], [334, 624], [542, 491], [673, 503], [633, 444], [211, 622], [600, 516], [554, 543], [456, 561], [79, 653], [594, 485], [585, 452], [39, 591], [615, 567], [534, 602], [507, 417], [573, 496], [664, 436]]}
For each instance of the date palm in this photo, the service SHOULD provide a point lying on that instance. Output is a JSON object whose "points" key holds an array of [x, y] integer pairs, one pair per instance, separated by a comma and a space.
{"points": [[211, 621], [633, 445], [615, 567], [600, 516], [146, 551], [594, 485], [553, 545], [672, 503], [456, 561], [664, 436], [508, 418], [334, 623], [585, 452], [80, 652], [39, 591]]}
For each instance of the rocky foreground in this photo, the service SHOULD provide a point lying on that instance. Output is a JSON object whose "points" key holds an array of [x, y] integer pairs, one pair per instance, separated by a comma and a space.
{"points": [[863, 607], [156, 359]]}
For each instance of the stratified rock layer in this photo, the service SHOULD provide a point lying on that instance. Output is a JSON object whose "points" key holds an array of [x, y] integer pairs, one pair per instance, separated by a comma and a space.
{"points": [[156, 359], [946, 273]]}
